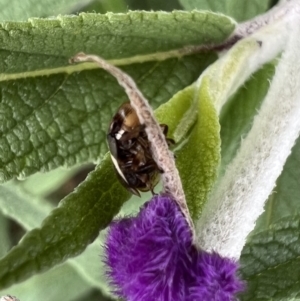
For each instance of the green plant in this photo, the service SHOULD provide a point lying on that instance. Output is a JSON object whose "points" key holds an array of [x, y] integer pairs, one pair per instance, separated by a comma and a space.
{"points": [[55, 115]]}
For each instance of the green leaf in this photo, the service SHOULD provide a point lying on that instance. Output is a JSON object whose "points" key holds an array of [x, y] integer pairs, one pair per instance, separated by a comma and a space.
{"points": [[16, 10], [61, 120], [5, 244], [203, 144], [45, 44], [285, 200], [25, 209], [270, 262], [175, 110], [240, 10], [61, 283], [213, 88], [53, 121], [53, 116], [198, 159], [43, 184], [67, 225], [68, 229], [90, 265], [238, 113], [29, 211]]}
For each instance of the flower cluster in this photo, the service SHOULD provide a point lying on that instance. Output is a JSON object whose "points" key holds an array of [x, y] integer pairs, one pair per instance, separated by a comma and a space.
{"points": [[151, 257]]}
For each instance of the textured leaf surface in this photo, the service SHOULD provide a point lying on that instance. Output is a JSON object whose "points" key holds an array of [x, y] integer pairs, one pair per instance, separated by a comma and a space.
{"points": [[237, 114], [49, 43], [58, 120], [285, 200], [236, 119], [16, 10], [69, 221], [240, 10], [76, 222], [69, 228], [199, 172], [271, 262], [198, 159], [51, 115]]}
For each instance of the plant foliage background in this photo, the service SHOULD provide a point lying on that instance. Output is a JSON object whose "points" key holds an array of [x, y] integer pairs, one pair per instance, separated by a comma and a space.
{"points": [[53, 122]]}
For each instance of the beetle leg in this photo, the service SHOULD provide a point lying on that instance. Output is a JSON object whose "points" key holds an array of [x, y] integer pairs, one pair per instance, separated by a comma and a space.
{"points": [[146, 180], [143, 142], [134, 191], [128, 164], [152, 191], [165, 130], [150, 167], [170, 141]]}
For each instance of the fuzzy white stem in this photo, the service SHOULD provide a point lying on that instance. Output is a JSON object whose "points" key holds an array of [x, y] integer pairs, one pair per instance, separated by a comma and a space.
{"points": [[230, 214], [277, 13], [243, 30], [270, 31], [159, 147], [231, 71]]}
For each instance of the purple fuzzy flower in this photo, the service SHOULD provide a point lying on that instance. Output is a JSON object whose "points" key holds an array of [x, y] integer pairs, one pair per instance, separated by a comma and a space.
{"points": [[151, 258]]}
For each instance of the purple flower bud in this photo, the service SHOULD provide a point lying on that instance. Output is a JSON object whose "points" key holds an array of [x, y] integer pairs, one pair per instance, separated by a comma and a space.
{"points": [[151, 257]]}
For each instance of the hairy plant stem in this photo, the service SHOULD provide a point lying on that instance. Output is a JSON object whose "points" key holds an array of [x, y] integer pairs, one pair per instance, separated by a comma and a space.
{"points": [[238, 199]]}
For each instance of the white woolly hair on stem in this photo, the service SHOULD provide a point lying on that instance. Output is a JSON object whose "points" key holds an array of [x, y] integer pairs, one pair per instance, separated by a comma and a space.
{"points": [[243, 59], [278, 12], [243, 30], [162, 155], [237, 201]]}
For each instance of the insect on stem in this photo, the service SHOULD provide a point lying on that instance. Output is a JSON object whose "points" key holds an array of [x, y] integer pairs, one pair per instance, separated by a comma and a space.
{"points": [[158, 144]]}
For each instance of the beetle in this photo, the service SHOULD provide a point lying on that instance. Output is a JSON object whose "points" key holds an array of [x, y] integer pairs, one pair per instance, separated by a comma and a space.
{"points": [[130, 151]]}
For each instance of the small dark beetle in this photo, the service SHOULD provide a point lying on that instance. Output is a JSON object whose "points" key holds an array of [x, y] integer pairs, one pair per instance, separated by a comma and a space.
{"points": [[130, 151]]}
